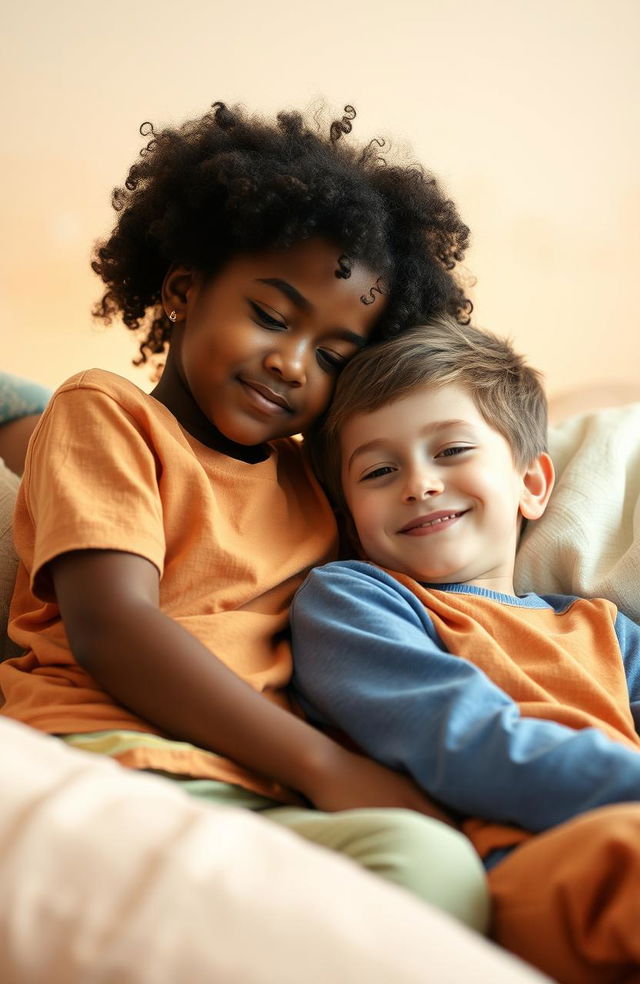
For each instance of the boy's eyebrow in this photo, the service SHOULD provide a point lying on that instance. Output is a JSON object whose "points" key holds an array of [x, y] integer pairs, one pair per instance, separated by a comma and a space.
{"points": [[303, 304], [382, 442]]}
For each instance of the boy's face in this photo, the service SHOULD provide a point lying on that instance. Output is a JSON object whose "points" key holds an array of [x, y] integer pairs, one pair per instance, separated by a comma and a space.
{"points": [[260, 345], [433, 489]]}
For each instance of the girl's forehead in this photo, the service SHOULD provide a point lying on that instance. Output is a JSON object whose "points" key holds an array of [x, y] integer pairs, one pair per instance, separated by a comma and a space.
{"points": [[313, 259], [309, 278]]}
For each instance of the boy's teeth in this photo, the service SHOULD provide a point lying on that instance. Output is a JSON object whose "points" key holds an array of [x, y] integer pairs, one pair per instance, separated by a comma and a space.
{"points": [[441, 519]]}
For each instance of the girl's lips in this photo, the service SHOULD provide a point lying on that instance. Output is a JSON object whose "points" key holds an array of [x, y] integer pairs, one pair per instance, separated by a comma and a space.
{"points": [[433, 522], [264, 398]]}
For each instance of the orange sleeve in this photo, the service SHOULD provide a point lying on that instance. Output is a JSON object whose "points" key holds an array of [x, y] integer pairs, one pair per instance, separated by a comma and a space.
{"points": [[91, 482]]}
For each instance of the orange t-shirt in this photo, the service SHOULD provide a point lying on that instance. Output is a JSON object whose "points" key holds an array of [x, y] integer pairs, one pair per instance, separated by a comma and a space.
{"points": [[562, 666], [110, 467]]}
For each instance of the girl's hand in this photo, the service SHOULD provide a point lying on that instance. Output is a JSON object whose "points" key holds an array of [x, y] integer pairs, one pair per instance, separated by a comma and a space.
{"points": [[352, 781]]}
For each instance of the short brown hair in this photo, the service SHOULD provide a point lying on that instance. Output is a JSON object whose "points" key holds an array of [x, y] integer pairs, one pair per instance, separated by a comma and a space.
{"points": [[507, 392]]}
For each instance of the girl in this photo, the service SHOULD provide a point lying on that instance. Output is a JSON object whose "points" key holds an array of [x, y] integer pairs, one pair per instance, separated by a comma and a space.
{"points": [[162, 537]]}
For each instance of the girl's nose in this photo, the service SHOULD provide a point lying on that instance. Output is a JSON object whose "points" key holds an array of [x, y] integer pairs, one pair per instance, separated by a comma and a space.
{"points": [[421, 485], [288, 362]]}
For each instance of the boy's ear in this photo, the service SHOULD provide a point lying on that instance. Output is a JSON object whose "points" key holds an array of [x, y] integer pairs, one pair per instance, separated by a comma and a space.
{"points": [[175, 291], [537, 484]]}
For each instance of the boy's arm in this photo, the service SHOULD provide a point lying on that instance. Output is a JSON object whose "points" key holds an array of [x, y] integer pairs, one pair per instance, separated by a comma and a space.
{"points": [[365, 662], [109, 605]]}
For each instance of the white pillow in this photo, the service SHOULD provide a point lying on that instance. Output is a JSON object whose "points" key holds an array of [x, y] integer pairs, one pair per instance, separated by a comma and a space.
{"points": [[588, 541]]}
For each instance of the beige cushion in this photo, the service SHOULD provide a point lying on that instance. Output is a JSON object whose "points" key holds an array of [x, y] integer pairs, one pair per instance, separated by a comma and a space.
{"points": [[8, 560], [108, 875]]}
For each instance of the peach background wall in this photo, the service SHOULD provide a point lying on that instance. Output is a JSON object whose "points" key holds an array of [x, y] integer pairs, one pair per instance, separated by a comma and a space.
{"points": [[528, 111]]}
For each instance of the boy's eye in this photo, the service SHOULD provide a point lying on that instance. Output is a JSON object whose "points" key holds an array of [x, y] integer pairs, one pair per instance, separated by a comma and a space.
{"points": [[378, 473], [266, 320], [450, 452]]}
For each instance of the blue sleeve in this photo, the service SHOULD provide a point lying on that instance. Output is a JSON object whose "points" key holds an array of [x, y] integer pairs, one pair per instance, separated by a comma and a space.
{"points": [[20, 397], [367, 660], [628, 634]]}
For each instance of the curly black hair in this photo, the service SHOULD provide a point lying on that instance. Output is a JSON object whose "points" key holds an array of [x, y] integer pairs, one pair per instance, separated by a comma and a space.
{"points": [[231, 183]]}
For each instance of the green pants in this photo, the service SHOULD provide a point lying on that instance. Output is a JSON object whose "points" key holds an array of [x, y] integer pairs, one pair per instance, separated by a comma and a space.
{"points": [[428, 858]]}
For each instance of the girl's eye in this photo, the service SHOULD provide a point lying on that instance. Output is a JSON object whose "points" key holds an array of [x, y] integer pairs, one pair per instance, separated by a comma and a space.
{"points": [[266, 320], [330, 360], [450, 452], [378, 473]]}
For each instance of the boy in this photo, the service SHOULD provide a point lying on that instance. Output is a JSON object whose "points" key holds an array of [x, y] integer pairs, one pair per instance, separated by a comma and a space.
{"points": [[516, 713]]}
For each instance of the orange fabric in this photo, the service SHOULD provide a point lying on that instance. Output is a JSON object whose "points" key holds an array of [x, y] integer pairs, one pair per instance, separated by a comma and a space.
{"points": [[562, 667], [111, 468], [568, 901]]}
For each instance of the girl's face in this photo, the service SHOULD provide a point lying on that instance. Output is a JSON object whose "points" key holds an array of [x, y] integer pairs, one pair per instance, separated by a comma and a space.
{"points": [[260, 345]]}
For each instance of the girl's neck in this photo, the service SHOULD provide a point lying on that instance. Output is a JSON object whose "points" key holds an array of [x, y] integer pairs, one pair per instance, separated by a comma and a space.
{"points": [[173, 392]]}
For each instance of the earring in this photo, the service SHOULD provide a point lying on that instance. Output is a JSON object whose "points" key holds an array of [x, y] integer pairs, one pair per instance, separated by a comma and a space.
{"points": [[173, 317]]}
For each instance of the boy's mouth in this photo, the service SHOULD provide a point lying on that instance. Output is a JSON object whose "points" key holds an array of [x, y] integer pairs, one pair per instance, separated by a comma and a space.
{"points": [[265, 397], [432, 521]]}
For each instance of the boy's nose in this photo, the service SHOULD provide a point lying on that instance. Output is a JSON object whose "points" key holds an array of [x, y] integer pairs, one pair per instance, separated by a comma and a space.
{"points": [[421, 485], [288, 363]]}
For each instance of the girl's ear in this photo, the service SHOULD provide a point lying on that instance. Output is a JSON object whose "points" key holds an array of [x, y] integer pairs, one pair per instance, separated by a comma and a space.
{"points": [[537, 484], [175, 292]]}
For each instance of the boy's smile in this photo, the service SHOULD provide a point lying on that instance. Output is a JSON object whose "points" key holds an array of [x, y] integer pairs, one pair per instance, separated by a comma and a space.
{"points": [[259, 346], [432, 523], [433, 489]]}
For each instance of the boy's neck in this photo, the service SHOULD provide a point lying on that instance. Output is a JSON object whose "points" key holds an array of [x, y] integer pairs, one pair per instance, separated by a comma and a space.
{"points": [[175, 395], [500, 585]]}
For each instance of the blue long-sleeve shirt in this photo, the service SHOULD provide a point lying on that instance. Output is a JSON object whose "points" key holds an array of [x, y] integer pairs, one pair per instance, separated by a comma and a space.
{"points": [[521, 711]]}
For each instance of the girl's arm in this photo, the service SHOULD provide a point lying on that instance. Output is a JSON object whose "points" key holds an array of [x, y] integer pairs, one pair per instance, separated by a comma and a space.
{"points": [[109, 602]]}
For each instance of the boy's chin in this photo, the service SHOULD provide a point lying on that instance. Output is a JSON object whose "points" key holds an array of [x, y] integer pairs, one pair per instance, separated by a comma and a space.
{"points": [[431, 576]]}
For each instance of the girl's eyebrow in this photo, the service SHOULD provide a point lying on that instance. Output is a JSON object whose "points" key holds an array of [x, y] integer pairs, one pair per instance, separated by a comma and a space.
{"points": [[288, 290], [303, 304]]}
